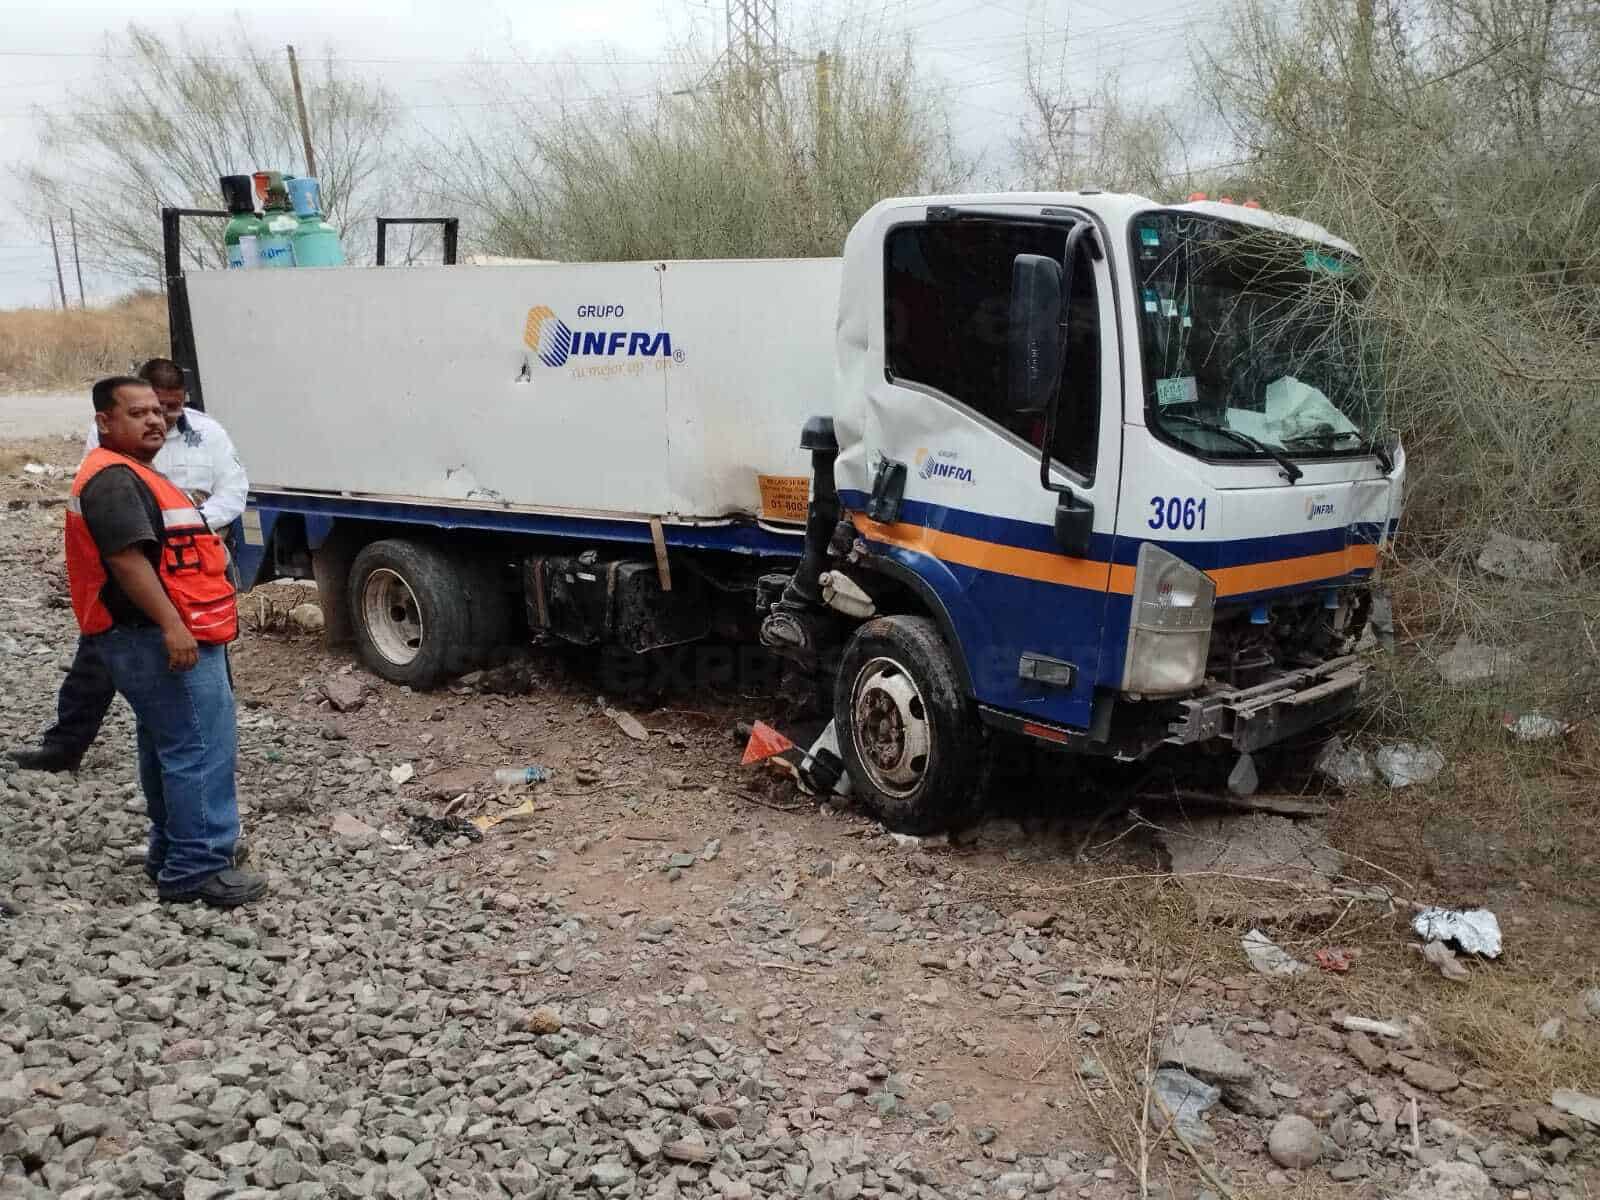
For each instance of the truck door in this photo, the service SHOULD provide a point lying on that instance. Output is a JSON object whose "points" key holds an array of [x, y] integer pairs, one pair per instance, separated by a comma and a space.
{"points": [[975, 526]]}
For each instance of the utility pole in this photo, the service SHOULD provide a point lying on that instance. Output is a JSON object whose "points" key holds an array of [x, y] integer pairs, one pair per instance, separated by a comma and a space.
{"points": [[61, 284], [77, 263], [300, 107], [824, 110], [1363, 97]]}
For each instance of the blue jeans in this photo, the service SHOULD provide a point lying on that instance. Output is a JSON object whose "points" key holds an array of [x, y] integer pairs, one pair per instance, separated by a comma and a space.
{"points": [[187, 751]]}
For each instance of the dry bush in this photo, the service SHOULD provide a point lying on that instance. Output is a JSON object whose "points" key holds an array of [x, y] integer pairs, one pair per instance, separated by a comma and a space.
{"points": [[1454, 142], [45, 348], [719, 168]]}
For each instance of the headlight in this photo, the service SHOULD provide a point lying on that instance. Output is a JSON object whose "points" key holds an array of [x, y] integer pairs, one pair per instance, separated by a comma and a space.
{"points": [[1169, 629]]}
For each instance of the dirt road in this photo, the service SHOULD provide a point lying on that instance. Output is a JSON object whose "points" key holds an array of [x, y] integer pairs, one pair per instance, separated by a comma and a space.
{"points": [[43, 414], [675, 976]]}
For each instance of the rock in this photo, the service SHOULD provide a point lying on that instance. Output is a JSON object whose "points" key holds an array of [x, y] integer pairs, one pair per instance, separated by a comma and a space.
{"points": [[345, 692], [688, 1150], [1450, 1181], [811, 936], [1366, 1051], [307, 618], [1585, 1107], [1032, 918], [1519, 560], [1553, 1030], [714, 1116], [352, 832], [1406, 763], [1198, 1050], [1467, 663], [1346, 766], [1591, 1002], [403, 773], [1187, 1099], [1349, 1169], [1294, 1143], [81, 1121], [737, 1189], [1525, 1122], [543, 1020], [609, 1174], [646, 1146], [629, 724], [1430, 1078]]}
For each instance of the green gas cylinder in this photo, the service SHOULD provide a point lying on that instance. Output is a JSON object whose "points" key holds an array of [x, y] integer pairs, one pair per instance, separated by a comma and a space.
{"points": [[278, 222], [242, 238], [316, 243]]}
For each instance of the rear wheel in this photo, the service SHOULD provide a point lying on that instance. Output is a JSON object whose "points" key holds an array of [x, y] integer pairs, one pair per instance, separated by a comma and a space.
{"points": [[917, 755], [412, 612]]}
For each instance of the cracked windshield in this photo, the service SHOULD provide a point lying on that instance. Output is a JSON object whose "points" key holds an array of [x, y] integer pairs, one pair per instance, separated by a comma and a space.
{"points": [[1251, 341]]}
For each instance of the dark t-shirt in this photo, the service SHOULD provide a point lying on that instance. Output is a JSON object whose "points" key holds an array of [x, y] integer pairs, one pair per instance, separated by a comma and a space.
{"points": [[121, 512]]}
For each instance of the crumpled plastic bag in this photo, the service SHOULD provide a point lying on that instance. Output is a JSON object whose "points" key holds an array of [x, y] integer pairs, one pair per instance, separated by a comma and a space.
{"points": [[1267, 957], [1475, 931]]}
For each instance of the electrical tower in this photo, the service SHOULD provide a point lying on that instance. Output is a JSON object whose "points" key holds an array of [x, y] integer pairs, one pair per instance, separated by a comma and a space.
{"points": [[752, 55]]}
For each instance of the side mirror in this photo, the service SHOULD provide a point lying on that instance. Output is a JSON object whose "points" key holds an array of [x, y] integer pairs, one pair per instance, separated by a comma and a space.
{"points": [[1034, 332], [1074, 525]]}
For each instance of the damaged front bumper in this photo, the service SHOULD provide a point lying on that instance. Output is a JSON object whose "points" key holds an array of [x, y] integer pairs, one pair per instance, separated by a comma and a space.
{"points": [[1269, 712]]}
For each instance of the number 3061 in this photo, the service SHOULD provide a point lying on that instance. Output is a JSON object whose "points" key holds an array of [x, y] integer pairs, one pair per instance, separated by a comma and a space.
{"points": [[1177, 512]]}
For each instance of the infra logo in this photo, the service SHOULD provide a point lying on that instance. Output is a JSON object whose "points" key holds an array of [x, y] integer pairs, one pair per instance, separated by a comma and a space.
{"points": [[547, 336], [555, 342]]}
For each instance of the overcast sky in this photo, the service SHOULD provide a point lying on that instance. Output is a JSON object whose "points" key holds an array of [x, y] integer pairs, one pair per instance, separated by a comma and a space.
{"points": [[974, 49]]}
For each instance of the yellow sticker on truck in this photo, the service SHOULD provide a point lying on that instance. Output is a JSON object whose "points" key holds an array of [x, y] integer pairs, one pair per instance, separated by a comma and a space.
{"points": [[784, 497]]}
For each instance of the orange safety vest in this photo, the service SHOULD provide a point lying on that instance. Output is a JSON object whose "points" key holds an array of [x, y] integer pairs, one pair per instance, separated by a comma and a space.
{"points": [[193, 565]]}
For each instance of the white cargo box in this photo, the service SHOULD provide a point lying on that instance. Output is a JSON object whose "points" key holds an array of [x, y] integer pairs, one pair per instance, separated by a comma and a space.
{"points": [[639, 389]]}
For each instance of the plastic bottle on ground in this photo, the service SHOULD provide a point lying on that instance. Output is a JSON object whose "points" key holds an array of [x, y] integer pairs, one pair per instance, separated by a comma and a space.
{"points": [[516, 776]]}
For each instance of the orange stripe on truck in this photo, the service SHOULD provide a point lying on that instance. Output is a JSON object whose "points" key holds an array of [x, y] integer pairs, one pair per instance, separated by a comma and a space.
{"points": [[1100, 576]]}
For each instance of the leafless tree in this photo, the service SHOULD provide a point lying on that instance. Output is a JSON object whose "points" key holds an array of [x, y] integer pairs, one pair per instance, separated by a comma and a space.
{"points": [[167, 117]]}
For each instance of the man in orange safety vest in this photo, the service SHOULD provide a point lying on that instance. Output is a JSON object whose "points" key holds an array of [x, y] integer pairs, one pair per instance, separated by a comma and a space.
{"points": [[149, 585]]}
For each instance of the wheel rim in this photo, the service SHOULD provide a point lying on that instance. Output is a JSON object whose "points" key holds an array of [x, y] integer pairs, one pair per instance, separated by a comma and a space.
{"points": [[889, 724], [392, 616]]}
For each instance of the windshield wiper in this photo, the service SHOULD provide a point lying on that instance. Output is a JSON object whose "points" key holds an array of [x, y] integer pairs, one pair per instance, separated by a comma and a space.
{"points": [[1290, 471], [1372, 446]]}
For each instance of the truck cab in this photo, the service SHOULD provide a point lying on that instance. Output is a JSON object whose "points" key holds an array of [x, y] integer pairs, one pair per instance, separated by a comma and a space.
{"points": [[1101, 472]]}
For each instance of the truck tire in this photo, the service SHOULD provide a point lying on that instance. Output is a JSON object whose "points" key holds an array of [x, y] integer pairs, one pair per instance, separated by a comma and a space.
{"points": [[489, 605], [917, 755], [411, 610]]}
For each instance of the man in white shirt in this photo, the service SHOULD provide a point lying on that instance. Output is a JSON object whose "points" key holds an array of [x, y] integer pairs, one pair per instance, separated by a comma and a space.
{"points": [[199, 457]]}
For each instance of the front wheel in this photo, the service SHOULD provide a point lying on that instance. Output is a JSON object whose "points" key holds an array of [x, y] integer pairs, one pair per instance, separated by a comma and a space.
{"points": [[917, 755]]}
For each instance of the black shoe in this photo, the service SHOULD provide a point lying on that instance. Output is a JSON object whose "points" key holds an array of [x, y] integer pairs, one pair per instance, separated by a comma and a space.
{"points": [[241, 855], [48, 758], [225, 889]]}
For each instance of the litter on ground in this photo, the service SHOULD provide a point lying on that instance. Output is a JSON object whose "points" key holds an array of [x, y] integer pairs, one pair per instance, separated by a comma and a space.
{"points": [[1445, 959], [1267, 958], [1534, 727], [1475, 931], [1335, 958], [1406, 763]]}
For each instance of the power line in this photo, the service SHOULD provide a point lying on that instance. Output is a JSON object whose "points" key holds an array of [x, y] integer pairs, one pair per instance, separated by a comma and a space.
{"points": [[339, 58]]}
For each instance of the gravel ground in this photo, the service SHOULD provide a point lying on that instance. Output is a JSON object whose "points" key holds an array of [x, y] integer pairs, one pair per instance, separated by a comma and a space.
{"points": [[668, 980]]}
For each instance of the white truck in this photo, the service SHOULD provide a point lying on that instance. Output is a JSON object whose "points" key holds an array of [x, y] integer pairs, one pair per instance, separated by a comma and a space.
{"points": [[1076, 467]]}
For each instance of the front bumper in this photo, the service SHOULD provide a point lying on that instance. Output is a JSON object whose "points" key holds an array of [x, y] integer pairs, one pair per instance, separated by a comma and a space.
{"points": [[1269, 712]]}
